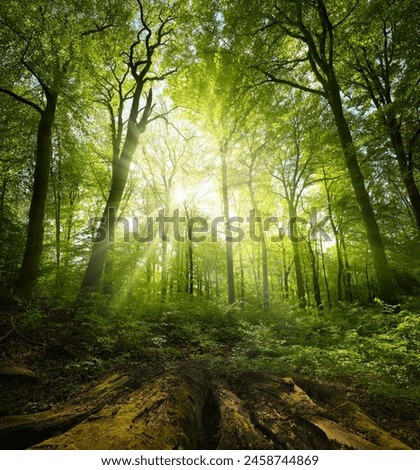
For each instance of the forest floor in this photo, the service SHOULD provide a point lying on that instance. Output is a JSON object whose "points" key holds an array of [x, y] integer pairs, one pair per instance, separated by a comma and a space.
{"points": [[56, 392]]}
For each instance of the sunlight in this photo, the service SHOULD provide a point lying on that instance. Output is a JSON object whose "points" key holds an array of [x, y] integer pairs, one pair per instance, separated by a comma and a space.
{"points": [[180, 196]]}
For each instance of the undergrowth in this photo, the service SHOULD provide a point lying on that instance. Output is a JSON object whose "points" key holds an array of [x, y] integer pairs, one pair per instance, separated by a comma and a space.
{"points": [[372, 348]]}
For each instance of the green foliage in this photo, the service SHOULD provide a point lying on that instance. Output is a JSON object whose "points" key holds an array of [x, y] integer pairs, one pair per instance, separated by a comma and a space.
{"points": [[363, 347], [277, 142], [358, 346]]}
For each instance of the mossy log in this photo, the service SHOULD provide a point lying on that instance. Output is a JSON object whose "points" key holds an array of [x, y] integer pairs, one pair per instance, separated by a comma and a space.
{"points": [[22, 431], [165, 414], [237, 431], [189, 408], [293, 419], [16, 371]]}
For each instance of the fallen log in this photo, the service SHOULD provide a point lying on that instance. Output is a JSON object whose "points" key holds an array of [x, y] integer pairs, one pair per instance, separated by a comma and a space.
{"points": [[351, 414], [187, 409], [17, 371], [290, 416], [165, 414], [237, 430], [22, 431]]}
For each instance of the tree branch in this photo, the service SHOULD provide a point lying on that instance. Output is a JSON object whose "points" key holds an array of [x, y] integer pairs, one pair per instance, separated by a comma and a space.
{"points": [[348, 14], [22, 99], [161, 77], [98, 29], [274, 79], [147, 110]]}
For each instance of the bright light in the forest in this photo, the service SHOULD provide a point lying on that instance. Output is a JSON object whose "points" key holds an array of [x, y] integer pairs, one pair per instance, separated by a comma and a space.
{"points": [[202, 196], [180, 195]]}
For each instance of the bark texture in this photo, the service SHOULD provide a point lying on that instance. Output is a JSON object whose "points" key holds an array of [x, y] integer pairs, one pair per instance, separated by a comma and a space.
{"points": [[191, 408]]}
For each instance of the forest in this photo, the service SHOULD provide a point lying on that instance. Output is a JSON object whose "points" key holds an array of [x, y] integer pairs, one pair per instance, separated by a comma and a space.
{"points": [[209, 224]]}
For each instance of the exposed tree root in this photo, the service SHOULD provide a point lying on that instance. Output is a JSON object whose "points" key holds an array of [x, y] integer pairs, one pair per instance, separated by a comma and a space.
{"points": [[186, 409]]}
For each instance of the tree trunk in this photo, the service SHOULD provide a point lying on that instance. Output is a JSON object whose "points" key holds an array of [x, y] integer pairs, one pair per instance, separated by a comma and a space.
{"points": [[165, 414], [164, 272], [29, 270], [22, 431], [190, 261], [105, 233], [300, 284], [242, 276], [266, 300], [382, 271], [313, 256], [406, 169], [324, 272], [229, 247]]}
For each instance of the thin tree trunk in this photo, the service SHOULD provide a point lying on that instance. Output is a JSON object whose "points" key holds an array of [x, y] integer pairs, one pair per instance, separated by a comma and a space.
{"points": [[335, 230], [57, 200], [315, 276], [242, 278], [266, 301], [324, 271], [347, 277], [300, 284], [190, 261], [229, 247]]}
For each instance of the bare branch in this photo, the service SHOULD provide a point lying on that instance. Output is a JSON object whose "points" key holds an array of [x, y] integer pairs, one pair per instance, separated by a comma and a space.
{"points": [[98, 29], [35, 74], [161, 77], [22, 99], [274, 79], [147, 110], [348, 14]]}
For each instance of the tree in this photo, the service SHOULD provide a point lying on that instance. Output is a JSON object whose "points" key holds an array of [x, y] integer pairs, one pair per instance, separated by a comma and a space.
{"points": [[298, 37], [140, 59], [386, 71], [39, 51]]}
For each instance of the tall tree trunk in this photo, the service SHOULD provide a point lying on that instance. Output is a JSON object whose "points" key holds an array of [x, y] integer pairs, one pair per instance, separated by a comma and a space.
{"points": [[29, 270], [266, 301], [406, 169], [164, 272], [190, 261], [335, 230], [56, 184], [382, 271], [242, 276], [324, 272], [300, 284], [313, 256], [286, 271], [229, 247], [321, 58], [105, 233], [347, 277]]}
